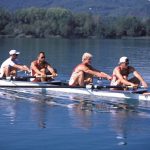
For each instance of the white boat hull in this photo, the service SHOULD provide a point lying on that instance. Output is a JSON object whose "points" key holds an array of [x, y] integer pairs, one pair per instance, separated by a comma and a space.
{"points": [[48, 88]]}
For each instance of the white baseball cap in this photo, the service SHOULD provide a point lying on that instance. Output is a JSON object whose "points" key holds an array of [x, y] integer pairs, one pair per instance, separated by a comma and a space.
{"points": [[123, 59], [12, 52]]}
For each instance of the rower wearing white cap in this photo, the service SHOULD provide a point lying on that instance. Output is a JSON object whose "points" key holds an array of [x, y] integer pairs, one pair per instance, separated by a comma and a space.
{"points": [[122, 71], [11, 65]]}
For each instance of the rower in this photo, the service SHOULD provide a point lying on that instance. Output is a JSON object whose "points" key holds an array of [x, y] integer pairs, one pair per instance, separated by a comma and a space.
{"points": [[83, 73], [121, 73], [41, 67], [10, 66]]}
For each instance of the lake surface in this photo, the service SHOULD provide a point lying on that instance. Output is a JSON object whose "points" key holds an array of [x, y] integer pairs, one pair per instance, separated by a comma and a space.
{"points": [[41, 122]]}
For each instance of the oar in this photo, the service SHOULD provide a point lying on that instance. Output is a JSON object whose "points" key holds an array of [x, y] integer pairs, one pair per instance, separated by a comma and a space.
{"points": [[106, 86], [43, 85], [138, 90], [24, 77], [37, 86]]}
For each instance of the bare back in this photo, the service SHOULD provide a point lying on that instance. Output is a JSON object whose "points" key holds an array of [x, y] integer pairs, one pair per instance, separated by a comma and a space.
{"points": [[82, 67]]}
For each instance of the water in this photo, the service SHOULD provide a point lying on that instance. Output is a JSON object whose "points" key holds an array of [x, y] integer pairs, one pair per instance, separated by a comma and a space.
{"points": [[59, 122]]}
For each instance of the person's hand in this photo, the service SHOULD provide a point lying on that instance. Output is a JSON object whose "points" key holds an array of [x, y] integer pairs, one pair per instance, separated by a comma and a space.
{"points": [[26, 69], [109, 77], [42, 74], [144, 84], [54, 74], [134, 86]]}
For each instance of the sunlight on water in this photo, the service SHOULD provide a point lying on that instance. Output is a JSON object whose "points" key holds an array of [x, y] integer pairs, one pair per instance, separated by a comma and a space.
{"points": [[73, 121]]}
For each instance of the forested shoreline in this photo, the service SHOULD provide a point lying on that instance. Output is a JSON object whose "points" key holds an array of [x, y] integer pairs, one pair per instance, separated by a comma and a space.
{"points": [[59, 22]]}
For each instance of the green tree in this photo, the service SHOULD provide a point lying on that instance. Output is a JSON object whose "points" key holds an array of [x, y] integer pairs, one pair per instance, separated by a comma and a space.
{"points": [[42, 22], [147, 26], [60, 21], [29, 15], [84, 25], [130, 26], [5, 18]]}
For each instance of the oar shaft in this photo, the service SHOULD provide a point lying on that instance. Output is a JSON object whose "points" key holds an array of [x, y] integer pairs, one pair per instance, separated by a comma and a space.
{"points": [[38, 86], [47, 76], [111, 86], [25, 77], [103, 86]]}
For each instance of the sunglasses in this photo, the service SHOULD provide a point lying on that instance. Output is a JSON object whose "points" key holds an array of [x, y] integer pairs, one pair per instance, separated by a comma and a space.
{"points": [[43, 57], [15, 54], [127, 63]]}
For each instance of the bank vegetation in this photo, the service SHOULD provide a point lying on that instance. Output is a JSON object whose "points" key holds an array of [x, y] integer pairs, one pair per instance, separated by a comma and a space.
{"points": [[59, 22]]}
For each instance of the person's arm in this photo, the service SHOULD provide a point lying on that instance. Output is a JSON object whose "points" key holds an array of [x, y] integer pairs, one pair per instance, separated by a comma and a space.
{"points": [[97, 73], [122, 80], [21, 67], [51, 70], [26, 68], [137, 75], [37, 71]]}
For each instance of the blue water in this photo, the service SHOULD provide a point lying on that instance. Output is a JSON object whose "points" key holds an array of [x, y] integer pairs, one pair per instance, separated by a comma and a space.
{"points": [[36, 125], [59, 122]]}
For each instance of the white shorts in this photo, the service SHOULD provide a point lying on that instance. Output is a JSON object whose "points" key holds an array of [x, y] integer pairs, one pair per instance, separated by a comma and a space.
{"points": [[71, 81], [114, 83]]}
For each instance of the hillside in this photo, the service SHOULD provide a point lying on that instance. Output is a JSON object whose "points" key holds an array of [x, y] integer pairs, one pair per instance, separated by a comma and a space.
{"points": [[101, 7]]}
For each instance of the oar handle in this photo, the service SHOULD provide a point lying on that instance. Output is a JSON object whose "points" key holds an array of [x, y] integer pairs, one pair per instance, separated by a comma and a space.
{"points": [[46, 76]]}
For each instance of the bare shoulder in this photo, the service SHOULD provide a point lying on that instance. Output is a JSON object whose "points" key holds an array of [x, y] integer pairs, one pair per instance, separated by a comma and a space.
{"points": [[33, 62], [80, 67], [117, 68]]}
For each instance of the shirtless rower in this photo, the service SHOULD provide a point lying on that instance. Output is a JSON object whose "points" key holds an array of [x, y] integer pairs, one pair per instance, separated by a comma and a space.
{"points": [[84, 72], [41, 67], [121, 73]]}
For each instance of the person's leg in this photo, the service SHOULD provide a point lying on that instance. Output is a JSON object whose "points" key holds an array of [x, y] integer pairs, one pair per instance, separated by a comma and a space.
{"points": [[134, 80], [13, 71], [80, 78], [88, 79], [49, 78], [116, 83], [77, 79], [43, 79], [9, 71], [6, 71], [40, 79]]}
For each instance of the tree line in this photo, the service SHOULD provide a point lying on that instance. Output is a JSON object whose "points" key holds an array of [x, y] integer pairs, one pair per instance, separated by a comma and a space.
{"points": [[49, 22]]}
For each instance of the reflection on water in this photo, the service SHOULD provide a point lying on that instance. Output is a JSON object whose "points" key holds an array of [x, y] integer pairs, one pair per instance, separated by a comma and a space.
{"points": [[10, 110], [64, 118], [80, 118], [119, 120], [127, 122], [79, 107], [38, 113], [11, 100], [118, 124]]}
